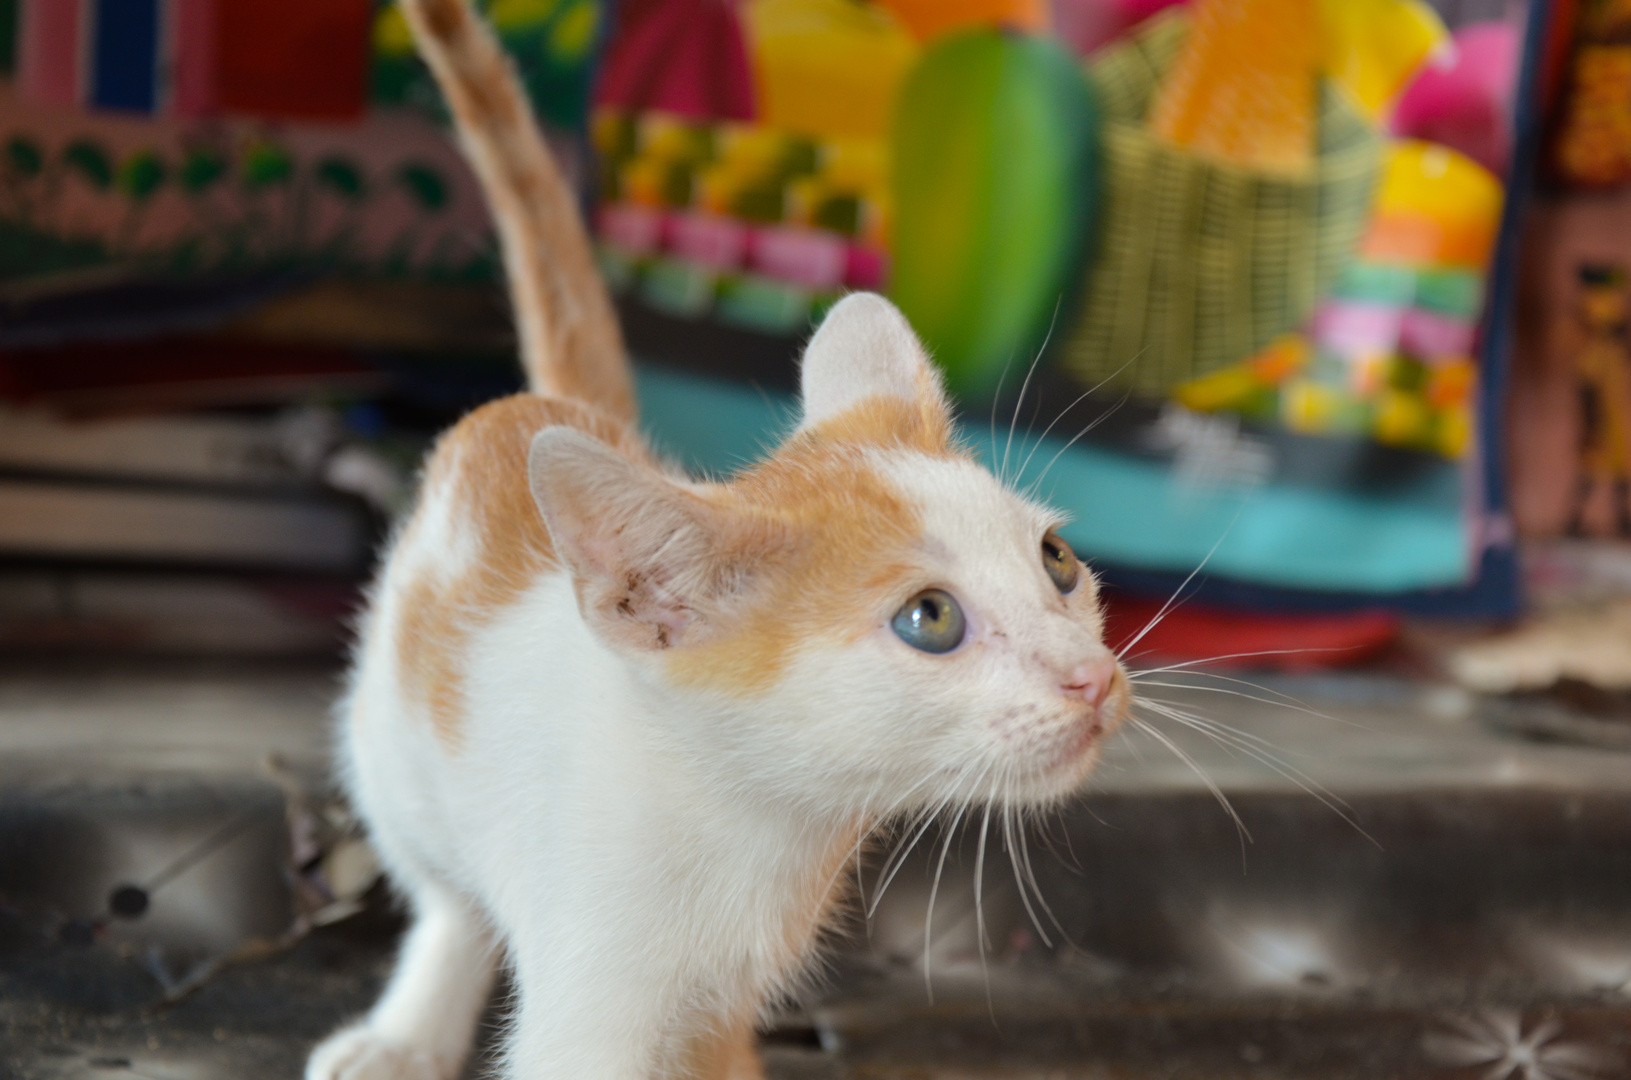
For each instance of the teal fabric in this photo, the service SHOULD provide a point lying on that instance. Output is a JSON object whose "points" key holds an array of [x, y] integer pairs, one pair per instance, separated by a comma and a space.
{"points": [[1137, 512]]}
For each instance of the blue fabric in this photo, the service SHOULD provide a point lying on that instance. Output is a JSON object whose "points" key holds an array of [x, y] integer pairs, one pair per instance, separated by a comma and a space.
{"points": [[1135, 512], [124, 54]]}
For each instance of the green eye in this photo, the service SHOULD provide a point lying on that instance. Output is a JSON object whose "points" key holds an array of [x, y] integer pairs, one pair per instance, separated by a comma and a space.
{"points": [[1060, 563], [930, 621]]}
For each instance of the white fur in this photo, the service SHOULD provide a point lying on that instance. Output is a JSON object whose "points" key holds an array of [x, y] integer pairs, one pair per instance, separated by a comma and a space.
{"points": [[656, 861], [864, 348]]}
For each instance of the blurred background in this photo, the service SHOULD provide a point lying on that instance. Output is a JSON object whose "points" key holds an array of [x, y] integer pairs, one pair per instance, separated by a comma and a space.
{"points": [[1312, 313]]}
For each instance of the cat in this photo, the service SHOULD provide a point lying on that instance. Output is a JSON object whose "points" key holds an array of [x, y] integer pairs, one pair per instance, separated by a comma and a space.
{"points": [[622, 731]]}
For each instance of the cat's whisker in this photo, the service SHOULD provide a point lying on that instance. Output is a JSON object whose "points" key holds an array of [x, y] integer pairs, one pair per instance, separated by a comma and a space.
{"points": [[979, 892], [1254, 746], [916, 829], [1211, 785], [921, 822], [1132, 744], [1226, 737], [1036, 485], [995, 399], [1188, 664], [1278, 700], [872, 822], [934, 891], [1096, 387], [1174, 599], [1164, 706], [1030, 874], [1268, 756], [1026, 445], [1276, 697], [1019, 402], [869, 825], [1013, 840]]}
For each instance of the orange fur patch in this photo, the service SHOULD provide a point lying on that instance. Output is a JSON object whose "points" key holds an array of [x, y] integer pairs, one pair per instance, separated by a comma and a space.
{"points": [[478, 475], [923, 425], [855, 542]]}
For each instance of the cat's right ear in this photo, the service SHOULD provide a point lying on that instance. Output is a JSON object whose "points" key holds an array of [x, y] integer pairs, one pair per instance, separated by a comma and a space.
{"points": [[864, 349], [654, 565]]}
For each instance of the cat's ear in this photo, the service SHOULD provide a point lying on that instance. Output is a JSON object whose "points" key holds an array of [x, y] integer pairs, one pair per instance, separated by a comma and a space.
{"points": [[654, 565], [865, 348]]}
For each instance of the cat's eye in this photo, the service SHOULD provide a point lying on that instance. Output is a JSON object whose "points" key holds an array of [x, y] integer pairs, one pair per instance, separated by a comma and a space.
{"points": [[931, 621], [1060, 563]]}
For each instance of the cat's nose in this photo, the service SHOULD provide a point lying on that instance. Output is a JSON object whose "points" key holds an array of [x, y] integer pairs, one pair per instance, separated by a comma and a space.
{"points": [[1091, 680]]}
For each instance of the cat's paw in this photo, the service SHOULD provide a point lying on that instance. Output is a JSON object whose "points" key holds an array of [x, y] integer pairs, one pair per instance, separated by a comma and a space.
{"points": [[359, 1054]]}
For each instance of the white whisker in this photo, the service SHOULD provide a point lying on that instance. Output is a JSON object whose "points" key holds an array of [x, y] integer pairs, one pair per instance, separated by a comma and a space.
{"points": [[1162, 705], [979, 892], [1211, 785], [1280, 701], [1268, 756], [1019, 403], [998, 397], [1036, 484], [1186, 664], [1040, 439], [1179, 591], [897, 858], [934, 891]]}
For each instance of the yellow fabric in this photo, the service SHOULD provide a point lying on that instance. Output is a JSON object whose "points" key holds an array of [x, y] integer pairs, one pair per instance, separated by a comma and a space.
{"points": [[930, 18], [1373, 47], [828, 68]]}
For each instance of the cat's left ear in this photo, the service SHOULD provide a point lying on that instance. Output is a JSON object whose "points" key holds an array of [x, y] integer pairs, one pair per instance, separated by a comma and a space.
{"points": [[864, 349], [654, 564]]}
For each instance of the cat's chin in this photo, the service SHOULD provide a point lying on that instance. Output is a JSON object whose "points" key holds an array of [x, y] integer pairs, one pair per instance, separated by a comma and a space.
{"points": [[1065, 769], [1070, 768], [1059, 773], [1053, 784]]}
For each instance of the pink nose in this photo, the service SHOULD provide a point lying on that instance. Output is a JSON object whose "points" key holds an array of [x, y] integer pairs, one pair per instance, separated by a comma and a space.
{"points": [[1091, 680]]}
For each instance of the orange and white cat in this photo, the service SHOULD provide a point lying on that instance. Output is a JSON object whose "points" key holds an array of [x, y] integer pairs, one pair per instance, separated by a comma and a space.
{"points": [[622, 730]]}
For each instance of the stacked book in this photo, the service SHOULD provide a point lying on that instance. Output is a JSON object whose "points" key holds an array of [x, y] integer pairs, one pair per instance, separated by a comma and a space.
{"points": [[243, 528]]}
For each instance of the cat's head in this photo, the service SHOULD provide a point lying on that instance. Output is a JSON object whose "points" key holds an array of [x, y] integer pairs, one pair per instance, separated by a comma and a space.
{"points": [[869, 614]]}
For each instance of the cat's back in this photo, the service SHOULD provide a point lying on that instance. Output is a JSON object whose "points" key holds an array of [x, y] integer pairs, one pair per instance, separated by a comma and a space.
{"points": [[474, 546]]}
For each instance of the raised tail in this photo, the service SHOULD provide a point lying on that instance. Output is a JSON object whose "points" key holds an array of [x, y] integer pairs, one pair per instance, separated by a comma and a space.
{"points": [[571, 346]]}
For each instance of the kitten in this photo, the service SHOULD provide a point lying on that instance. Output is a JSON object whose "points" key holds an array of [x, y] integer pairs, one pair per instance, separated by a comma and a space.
{"points": [[623, 730]]}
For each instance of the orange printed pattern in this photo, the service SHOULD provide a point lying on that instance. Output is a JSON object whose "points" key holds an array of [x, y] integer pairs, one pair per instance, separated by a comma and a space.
{"points": [[1242, 88]]}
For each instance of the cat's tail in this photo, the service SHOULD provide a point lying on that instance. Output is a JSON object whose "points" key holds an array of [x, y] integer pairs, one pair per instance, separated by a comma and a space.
{"points": [[571, 346]]}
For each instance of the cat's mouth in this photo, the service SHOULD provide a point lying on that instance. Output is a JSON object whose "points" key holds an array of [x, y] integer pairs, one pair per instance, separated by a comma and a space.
{"points": [[1078, 750], [1087, 735]]}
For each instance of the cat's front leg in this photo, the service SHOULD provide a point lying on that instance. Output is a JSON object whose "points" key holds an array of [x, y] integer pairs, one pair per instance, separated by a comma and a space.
{"points": [[422, 1027], [590, 1005]]}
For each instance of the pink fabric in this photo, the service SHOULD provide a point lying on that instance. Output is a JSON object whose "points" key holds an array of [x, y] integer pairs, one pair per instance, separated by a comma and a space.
{"points": [[679, 56], [1354, 329], [810, 257], [1090, 25], [48, 50], [636, 229], [193, 35], [1466, 103], [1431, 336], [717, 242], [867, 268]]}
